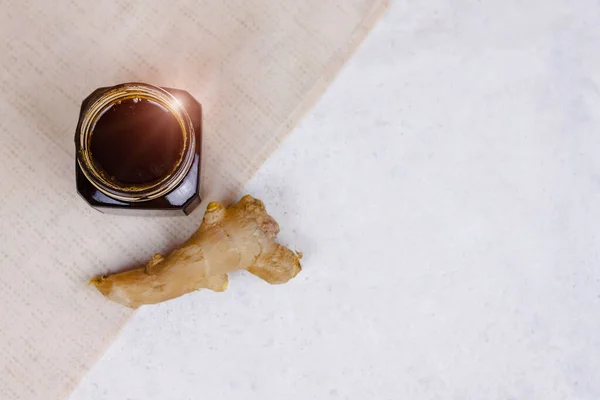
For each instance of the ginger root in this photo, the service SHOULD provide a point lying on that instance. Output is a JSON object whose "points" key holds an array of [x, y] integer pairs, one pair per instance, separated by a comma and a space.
{"points": [[229, 239]]}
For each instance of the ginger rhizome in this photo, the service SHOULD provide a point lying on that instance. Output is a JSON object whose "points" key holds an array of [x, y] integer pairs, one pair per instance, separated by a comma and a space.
{"points": [[229, 239]]}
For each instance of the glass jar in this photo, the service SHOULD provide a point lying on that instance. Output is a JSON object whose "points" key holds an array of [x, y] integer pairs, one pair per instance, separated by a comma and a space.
{"points": [[138, 150]]}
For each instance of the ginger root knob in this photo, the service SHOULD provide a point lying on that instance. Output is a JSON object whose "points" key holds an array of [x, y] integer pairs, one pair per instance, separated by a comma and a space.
{"points": [[229, 239]]}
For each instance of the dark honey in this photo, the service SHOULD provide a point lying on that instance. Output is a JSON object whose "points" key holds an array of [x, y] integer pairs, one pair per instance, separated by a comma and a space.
{"points": [[136, 142], [139, 150]]}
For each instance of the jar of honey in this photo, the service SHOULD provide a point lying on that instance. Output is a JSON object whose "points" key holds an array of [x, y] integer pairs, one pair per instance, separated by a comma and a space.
{"points": [[138, 150]]}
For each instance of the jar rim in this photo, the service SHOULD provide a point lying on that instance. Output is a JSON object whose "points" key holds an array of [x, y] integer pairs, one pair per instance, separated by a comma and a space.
{"points": [[135, 193]]}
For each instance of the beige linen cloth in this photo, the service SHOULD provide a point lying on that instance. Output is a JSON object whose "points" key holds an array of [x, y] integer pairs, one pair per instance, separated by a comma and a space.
{"points": [[256, 66]]}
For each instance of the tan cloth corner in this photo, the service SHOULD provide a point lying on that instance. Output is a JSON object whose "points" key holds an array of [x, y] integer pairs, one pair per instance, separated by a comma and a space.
{"points": [[255, 66]]}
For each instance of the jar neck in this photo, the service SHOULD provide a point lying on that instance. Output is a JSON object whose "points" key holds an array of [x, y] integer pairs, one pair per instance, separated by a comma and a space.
{"points": [[138, 192]]}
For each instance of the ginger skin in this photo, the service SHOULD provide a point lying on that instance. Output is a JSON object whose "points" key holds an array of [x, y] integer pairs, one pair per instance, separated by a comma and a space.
{"points": [[229, 239]]}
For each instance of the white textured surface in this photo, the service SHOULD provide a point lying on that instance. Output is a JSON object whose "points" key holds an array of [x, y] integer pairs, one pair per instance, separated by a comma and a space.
{"points": [[446, 195]]}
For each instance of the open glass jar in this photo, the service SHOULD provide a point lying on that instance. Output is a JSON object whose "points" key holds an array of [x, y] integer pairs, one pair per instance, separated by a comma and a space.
{"points": [[138, 150]]}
